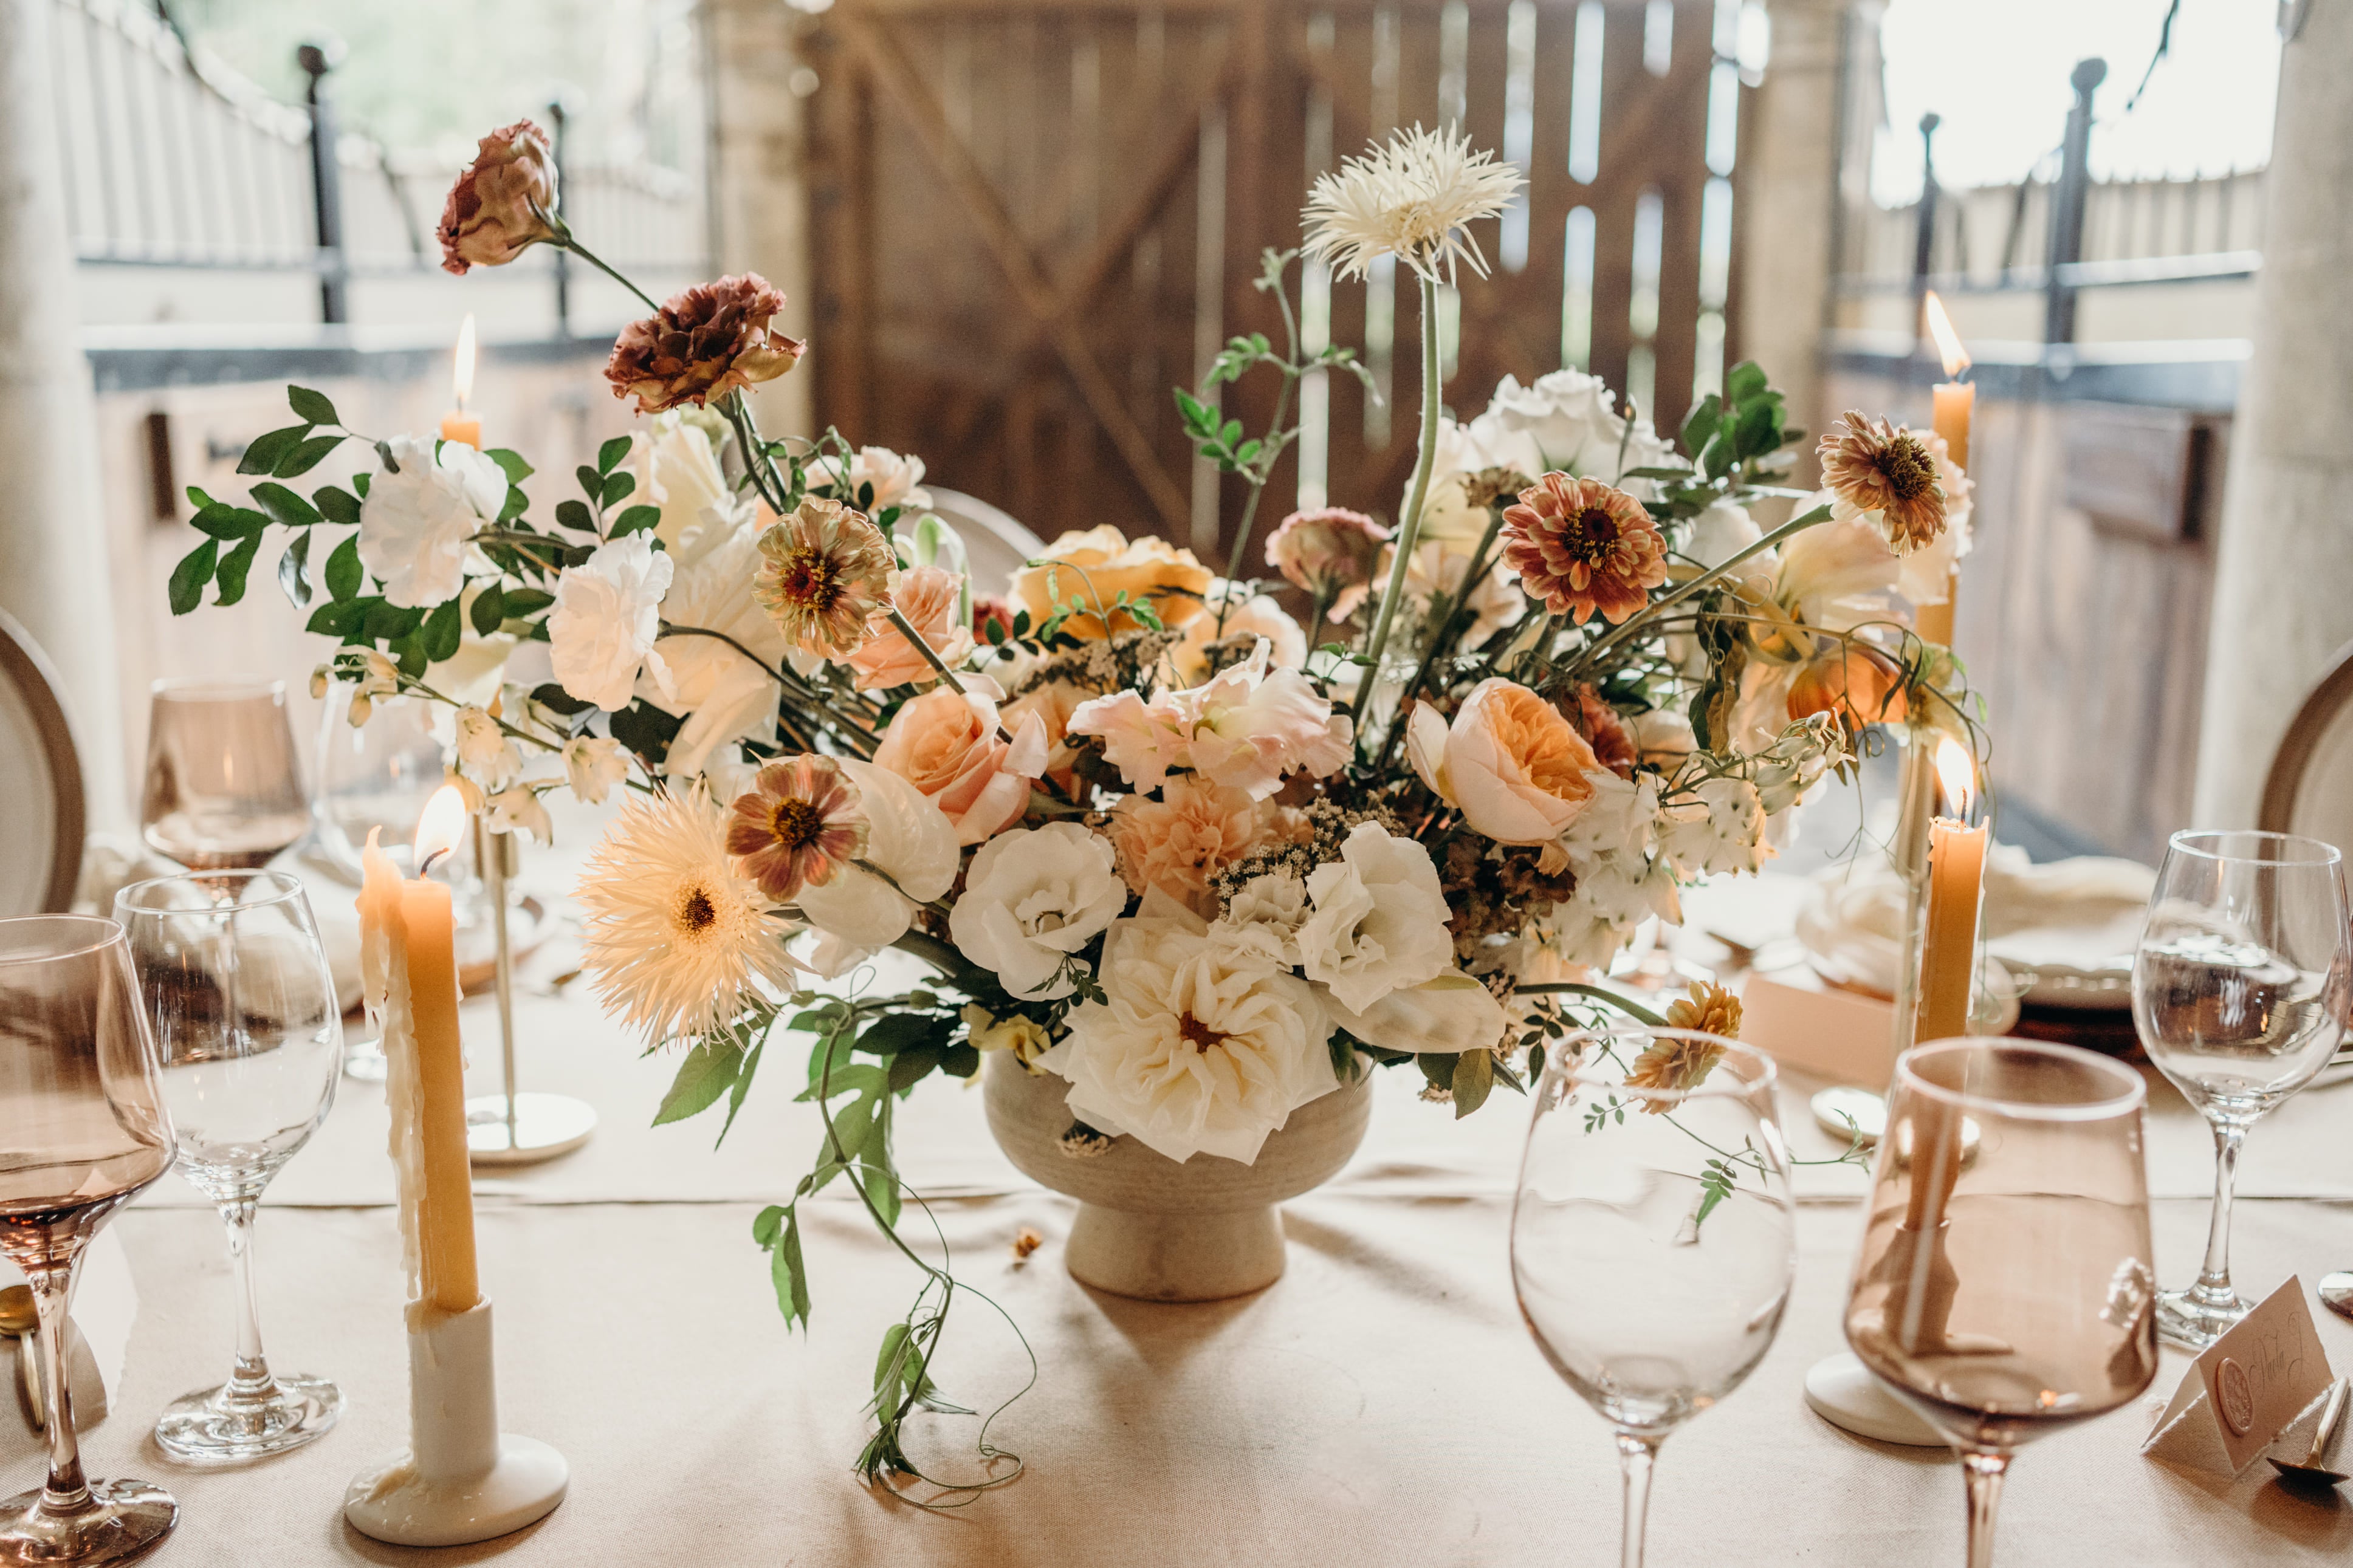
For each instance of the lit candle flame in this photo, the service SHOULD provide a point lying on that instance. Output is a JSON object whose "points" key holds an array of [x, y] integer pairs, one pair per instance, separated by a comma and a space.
{"points": [[1940, 327], [1958, 772], [438, 829], [461, 379]]}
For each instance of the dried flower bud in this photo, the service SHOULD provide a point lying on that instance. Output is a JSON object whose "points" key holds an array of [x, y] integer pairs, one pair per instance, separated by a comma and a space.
{"points": [[501, 205]]}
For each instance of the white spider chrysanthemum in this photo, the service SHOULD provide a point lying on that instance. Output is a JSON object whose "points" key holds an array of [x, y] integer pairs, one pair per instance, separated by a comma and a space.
{"points": [[672, 937], [1413, 199]]}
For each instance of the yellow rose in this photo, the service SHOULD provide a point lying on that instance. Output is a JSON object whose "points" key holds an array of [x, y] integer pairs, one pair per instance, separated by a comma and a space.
{"points": [[1095, 567], [1025, 1038]]}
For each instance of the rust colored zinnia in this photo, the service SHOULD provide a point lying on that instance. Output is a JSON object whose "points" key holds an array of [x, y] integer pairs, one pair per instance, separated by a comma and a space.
{"points": [[1885, 471], [1604, 731], [1583, 547], [501, 205], [798, 825], [702, 344], [826, 573]]}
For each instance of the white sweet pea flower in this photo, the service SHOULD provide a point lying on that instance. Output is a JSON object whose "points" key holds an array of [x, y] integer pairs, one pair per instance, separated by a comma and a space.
{"points": [[484, 752], [1615, 894], [1248, 729], [1379, 920], [1720, 828], [593, 765], [608, 610], [1033, 898], [908, 840], [419, 515], [518, 810]]}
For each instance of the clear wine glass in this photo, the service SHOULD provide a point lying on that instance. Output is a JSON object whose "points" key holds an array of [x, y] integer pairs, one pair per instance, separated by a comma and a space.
{"points": [[2241, 986], [1653, 1240], [82, 1132], [249, 1038], [379, 774], [2006, 1292], [224, 789]]}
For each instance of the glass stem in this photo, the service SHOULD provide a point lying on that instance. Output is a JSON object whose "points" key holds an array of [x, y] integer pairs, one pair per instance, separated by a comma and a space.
{"points": [[251, 1378], [2214, 1285], [1635, 1457], [1983, 1474], [68, 1491]]}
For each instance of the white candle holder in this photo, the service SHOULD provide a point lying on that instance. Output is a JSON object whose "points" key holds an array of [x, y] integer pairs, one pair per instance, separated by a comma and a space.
{"points": [[462, 1481]]}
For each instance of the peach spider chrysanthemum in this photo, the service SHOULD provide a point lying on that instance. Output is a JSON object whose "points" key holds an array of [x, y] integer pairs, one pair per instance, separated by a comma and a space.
{"points": [[799, 824], [826, 574], [1582, 547], [1885, 470]]}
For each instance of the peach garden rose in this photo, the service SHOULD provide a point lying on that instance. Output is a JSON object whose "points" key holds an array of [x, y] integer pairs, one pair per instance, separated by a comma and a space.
{"points": [[1510, 763], [1096, 566], [951, 748]]}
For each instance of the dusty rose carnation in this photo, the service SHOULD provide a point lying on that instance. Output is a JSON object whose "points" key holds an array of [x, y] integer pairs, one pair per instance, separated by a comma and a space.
{"points": [[702, 344], [1178, 842], [985, 609], [1604, 731], [1332, 553], [1582, 547], [1885, 470], [928, 597], [799, 824], [825, 578], [501, 205]]}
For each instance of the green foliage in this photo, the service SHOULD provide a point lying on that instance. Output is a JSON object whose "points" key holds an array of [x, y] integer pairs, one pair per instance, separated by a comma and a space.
{"points": [[1472, 1079], [293, 573]]}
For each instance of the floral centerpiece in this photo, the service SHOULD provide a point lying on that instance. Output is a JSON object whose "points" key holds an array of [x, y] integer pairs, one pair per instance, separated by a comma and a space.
{"points": [[1200, 858]]}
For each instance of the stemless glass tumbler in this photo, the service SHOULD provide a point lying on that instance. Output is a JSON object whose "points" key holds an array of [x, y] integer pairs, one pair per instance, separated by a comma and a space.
{"points": [[1653, 1240], [83, 1129], [2005, 1291], [251, 1043], [2240, 991]]}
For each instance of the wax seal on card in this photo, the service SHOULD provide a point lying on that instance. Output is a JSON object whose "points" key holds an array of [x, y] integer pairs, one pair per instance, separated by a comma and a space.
{"points": [[2234, 1396]]}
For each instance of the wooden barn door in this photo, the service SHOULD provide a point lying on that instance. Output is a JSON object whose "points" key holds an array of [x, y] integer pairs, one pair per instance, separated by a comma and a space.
{"points": [[1032, 217]]}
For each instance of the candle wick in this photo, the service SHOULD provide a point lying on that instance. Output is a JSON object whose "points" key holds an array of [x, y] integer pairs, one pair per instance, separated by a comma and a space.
{"points": [[427, 868]]}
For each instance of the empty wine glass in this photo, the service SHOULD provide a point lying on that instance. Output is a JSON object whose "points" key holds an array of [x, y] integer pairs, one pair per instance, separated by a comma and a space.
{"points": [[2005, 1292], [2240, 991], [250, 1042], [224, 789], [1652, 1236], [376, 775], [83, 1130]]}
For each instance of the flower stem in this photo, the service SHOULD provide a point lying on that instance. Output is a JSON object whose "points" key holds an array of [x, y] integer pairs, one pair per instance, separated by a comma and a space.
{"points": [[1408, 533], [1445, 629], [564, 241], [1574, 988], [930, 654], [1650, 614]]}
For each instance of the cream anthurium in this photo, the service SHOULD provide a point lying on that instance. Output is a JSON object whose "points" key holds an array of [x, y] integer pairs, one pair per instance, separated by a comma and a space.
{"points": [[1379, 920], [908, 841], [1033, 898], [421, 512]]}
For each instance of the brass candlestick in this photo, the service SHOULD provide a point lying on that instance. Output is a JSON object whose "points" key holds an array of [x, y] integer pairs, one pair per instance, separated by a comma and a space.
{"points": [[513, 1128]]}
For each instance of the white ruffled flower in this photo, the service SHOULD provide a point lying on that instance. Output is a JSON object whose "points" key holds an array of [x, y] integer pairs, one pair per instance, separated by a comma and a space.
{"points": [[420, 513], [607, 612], [1379, 922], [897, 480], [484, 752], [1615, 894], [1263, 917], [677, 469], [1200, 1048], [518, 810], [593, 765], [1720, 828], [909, 840], [1033, 898], [1569, 418], [1248, 729], [724, 696]]}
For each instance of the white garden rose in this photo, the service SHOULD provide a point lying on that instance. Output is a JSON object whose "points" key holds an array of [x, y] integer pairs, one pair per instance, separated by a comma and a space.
{"points": [[419, 514], [908, 840], [1379, 920], [594, 764], [1198, 1049], [1033, 898], [1569, 416], [608, 611]]}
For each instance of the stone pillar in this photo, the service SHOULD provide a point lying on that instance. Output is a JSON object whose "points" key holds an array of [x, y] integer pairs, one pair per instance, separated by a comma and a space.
{"points": [[757, 183], [1790, 171], [53, 557], [2283, 579]]}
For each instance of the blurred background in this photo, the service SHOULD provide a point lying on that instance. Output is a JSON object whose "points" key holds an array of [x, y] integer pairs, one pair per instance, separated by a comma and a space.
{"points": [[1008, 227]]}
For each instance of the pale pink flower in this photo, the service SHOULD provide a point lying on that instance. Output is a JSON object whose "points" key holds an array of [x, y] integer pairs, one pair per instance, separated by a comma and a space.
{"points": [[928, 596], [951, 748], [502, 205], [1247, 729], [1332, 553]]}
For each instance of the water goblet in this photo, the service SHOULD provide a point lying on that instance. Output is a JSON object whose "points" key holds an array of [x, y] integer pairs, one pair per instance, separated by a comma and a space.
{"points": [[1654, 1239], [2007, 1293], [85, 1130], [249, 1041], [2239, 989], [224, 788]]}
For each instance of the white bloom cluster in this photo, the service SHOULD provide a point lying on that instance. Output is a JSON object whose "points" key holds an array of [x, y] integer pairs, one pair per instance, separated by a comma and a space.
{"points": [[420, 514]]}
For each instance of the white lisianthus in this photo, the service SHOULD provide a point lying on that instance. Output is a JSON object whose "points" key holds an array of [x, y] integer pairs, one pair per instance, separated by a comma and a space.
{"points": [[1200, 1048], [593, 765], [419, 515], [1570, 417], [724, 696], [1264, 917], [1033, 897], [1379, 920], [908, 840], [1721, 827], [518, 809], [1838, 574], [1463, 451], [484, 752], [607, 612]]}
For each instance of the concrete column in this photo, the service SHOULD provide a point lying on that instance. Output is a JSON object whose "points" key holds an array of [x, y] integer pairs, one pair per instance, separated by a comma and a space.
{"points": [[53, 571], [757, 179], [2283, 581], [1788, 188]]}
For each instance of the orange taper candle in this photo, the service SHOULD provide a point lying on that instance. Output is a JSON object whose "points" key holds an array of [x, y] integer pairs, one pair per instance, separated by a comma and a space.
{"points": [[1956, 402], [1948, 952]]}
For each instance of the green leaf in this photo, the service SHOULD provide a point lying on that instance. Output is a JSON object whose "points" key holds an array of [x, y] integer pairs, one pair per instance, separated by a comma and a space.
{"points": [[197, 499], [234, 567], [263, 453], [709, 1070], [225, 521], [960, 1061], [306, 456], [385, 622], [779, 1231], [617, 489], [445, 631], [489, 610], [646, 730], [338, 618], [1760, 430], [344, 575], [310, 405], [1743, 381], [1474, 1076], [592, 483], [514, 506], [611, 453], [511, 464], [572, 514], [555, 700], [894, 1032], [283, 505], [890, 1362], [881, 1181], [743, 1086], [908, 1067], [849, 1125], [189, 577], [336, 505], [1700, 422], [527, 600], [293, 575], [635, 520]]}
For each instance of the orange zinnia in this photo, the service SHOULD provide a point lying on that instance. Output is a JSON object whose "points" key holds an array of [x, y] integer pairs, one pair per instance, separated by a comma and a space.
{"points": [[1581, 546]]}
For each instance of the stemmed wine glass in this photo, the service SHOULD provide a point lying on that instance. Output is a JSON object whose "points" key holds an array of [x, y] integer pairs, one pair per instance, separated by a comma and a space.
{"points": [[1654, 1239], [2239, 989], [224, 788], [2006, 1292], [250, 1037], [82, 1130]]}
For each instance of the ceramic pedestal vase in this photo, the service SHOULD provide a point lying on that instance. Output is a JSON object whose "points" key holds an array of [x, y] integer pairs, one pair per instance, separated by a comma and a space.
{"points": [[1160, 1231]]}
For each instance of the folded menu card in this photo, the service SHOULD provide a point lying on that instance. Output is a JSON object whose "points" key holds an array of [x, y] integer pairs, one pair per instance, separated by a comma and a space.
{"points": [[2245, 1389]]}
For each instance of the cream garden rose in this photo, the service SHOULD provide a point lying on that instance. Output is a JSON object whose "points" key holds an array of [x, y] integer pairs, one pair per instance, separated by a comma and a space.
{"points": [[1517, 771], [1379, 920], [1033, 897], [419, 515]]}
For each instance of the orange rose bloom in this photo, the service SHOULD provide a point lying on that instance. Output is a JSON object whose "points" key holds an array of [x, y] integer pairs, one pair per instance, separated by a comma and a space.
{"points": [[1096, 566]]}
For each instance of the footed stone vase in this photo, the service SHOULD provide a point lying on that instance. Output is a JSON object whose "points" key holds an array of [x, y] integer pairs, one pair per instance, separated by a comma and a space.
{"points": [[1157, 1230]]}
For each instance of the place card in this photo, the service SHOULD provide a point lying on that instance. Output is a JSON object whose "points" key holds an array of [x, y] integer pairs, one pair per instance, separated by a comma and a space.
{"points": [[1843, 1036], [2246, 1388]]}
